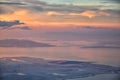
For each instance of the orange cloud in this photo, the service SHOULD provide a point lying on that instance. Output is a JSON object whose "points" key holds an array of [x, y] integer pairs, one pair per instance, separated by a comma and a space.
{"points": [[52, 13], [17, 15], [25, 16], [60, 19]]}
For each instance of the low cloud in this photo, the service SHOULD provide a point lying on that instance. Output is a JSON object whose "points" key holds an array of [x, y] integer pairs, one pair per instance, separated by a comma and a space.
{"points": [[113, 1], [13, 25], [7, 24]]}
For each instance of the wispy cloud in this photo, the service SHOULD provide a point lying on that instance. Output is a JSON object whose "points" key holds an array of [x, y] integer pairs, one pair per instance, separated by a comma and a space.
{"points": [[22, 27]]}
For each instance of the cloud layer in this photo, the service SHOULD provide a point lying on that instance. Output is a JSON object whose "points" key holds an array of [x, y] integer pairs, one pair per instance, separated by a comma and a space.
{"points": [[62, 12]]}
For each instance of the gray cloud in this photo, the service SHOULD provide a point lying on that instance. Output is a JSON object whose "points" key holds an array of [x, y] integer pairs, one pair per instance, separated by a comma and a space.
{"points": [[22, 27], [92, 27], [12, 25], [109, 1], [36, 6], [114, 13], [61, 7], [39, 6], [11, 3], [64, 7], [25, 28], [2, 11], [8, 24]]}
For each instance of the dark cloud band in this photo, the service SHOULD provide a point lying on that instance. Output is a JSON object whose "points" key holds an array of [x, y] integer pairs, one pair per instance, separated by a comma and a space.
{"points": [[9, 25], [11, 3]]}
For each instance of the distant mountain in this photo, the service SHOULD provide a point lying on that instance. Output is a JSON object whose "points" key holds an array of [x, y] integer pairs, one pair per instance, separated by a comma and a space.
{"points": [[22, 43], [28, 68]]}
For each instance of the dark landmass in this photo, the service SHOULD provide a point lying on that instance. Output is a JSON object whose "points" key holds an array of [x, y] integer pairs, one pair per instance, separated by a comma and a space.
{"points": [[111, 47], [28, 68], [22, 43]]}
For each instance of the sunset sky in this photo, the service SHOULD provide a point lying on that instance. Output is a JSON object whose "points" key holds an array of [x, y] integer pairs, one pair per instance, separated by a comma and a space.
{"points": [[60, 19], [72, 26], [61, 13]]}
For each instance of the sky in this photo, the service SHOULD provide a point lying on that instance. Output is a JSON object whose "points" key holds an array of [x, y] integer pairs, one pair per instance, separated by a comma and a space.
{"points": [[61, 13], [73, 25], [60, 19]]}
